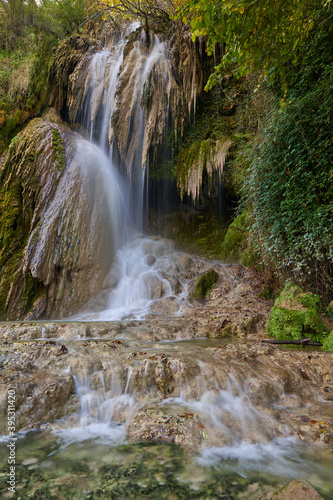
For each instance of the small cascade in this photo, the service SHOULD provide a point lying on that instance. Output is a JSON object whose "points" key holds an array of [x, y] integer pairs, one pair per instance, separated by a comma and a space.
{"points": [[145, 277], [239, 437], [103, 411]]}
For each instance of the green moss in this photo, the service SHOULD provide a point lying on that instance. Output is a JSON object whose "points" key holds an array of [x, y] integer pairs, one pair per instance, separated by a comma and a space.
{"points": [[235, 246], [58, 150], [204, 284], [19, 184], [328, 343], [29, 288], [267, 293], [295, 315]]}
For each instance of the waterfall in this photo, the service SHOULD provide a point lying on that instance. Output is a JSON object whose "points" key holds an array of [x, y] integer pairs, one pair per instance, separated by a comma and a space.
{"points": [[136, 276]]}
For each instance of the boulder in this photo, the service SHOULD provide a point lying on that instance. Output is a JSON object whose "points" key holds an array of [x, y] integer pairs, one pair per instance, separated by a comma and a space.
{"points": [[297, 490], [295, 315]]}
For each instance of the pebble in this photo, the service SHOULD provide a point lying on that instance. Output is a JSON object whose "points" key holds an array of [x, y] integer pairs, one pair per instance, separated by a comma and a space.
{"points": [[29, 461]]}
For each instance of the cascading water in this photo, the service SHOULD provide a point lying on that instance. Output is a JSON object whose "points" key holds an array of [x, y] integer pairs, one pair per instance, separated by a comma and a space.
{"points": [[138, 274], [136, 380], [99, 408]]}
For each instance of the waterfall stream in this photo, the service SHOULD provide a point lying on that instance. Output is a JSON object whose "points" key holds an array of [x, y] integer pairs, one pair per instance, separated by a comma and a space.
{"points": [[151, 410], [141, 269]]}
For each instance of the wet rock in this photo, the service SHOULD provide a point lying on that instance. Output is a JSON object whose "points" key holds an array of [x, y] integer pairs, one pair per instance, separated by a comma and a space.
{"points": [[150, 259], [184, 429], [297, 490], [66, 252], [184, 262], [41, 398], [38, 309], [168, 306]]}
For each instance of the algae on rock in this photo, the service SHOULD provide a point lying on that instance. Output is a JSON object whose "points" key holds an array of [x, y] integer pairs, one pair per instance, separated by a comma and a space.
{"points": [[236, 246], [204, 284], [50, 251], [295, 315]]}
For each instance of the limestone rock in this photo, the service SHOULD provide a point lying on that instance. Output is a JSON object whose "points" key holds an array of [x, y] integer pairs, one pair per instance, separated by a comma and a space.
{"points": [[185, 429], [53, 221], [297, 490]]}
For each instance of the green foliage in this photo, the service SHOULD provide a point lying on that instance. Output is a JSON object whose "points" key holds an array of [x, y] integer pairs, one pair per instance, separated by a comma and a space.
{"points": [[328, 343], [295, 315], [235, 246], [29, 33], [204, 284], [290, 185], [257, 35], [58, 150]]}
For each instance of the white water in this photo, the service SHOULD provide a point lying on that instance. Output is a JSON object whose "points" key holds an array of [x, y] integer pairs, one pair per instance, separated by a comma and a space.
{"points": [[145, 275], [98, 409], [136, 278], [251, 441]]}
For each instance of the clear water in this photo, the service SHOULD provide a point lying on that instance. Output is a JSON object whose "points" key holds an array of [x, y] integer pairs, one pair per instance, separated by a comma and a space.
{"points": [[48, 466]]}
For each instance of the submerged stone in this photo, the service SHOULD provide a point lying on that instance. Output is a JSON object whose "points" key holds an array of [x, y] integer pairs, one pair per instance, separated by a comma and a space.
{"points": [[298, 490]]}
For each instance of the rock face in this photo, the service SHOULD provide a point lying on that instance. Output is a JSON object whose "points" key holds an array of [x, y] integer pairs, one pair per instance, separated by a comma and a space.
{"points": [[58, 237], [158, 83]]}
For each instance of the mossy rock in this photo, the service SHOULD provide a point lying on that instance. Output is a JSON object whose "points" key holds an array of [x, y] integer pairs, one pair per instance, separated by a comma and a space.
{"points": [[204, 284], [328, 343], [295, 315], [236, 247]]}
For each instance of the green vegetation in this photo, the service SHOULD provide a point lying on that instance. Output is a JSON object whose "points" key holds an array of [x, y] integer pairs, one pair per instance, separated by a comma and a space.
{"points": [[19, 180], [265, 36], [290, 186], [282, 168], [236, 246], [204, 284], [58, 150], [29, 33], [295, 315], [328, 343]]}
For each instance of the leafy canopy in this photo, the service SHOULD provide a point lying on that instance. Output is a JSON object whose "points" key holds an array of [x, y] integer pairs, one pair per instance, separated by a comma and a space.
{"points": [[255, 34]]}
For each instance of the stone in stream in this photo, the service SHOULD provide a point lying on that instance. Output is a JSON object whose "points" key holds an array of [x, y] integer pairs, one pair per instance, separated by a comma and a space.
{"points": [[151, 424], [297, 490]]}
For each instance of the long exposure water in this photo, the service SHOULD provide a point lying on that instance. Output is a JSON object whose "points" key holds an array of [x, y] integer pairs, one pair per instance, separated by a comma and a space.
{"points": [[236, 450]]}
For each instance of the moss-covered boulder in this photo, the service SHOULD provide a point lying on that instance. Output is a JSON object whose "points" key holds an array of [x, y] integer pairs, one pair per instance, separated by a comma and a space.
{"points": [[236, 247], [295, 315], [204, 284], [53, 241]]}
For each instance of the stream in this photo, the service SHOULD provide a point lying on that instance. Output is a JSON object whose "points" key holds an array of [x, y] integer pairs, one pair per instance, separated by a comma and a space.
{"points": [[143, 392], [154, 415]]}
